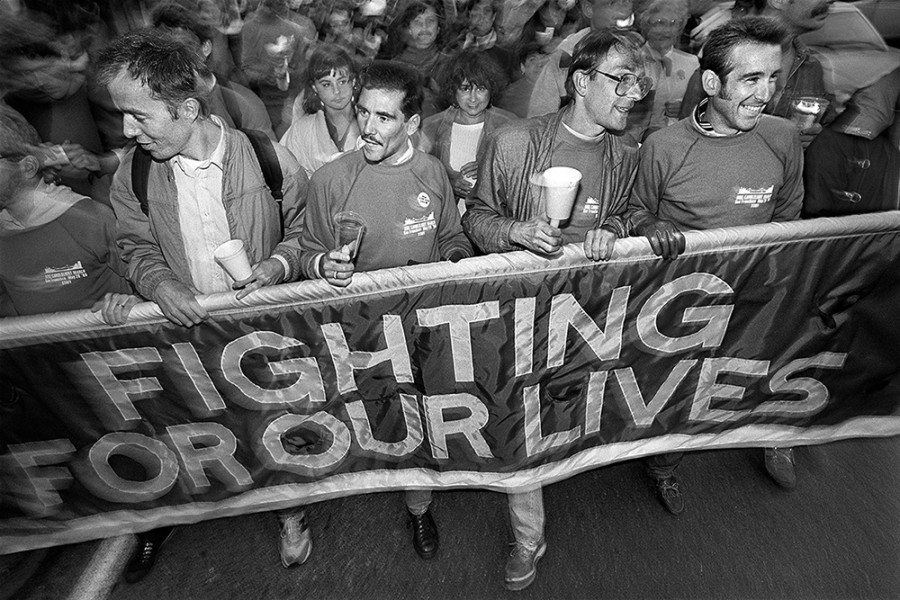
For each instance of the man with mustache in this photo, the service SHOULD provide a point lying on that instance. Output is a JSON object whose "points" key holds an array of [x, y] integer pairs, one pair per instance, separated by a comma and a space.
{"points": [[405, 199], [801, 74], [505, 211], [728, 164]]}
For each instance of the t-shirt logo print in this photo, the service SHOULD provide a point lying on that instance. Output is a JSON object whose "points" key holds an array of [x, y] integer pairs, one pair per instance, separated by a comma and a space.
{"points": [[419, 225], [59, 276], [754, 196]]}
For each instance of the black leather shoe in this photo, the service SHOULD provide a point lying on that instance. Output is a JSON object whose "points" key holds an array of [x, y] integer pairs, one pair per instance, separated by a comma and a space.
{"points": [[145, 554], [425, 535]]}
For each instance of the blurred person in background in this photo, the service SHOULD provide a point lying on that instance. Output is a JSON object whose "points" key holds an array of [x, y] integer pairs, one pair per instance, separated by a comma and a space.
{"points": [[661, 23], [416, 38], [233, 103], [531, 59], [273, 52]]}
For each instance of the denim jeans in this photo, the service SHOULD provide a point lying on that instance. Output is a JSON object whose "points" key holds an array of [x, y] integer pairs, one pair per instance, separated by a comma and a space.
{"points": [[526, 515]]}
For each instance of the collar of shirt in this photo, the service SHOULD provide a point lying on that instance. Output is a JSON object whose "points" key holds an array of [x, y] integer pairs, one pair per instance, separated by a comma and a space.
{"points": [[192, 167], [581, 136], [703, 126]]}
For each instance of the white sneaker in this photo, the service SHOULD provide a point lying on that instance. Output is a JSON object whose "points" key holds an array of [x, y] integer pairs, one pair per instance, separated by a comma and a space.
{"points": [[296, 539]]}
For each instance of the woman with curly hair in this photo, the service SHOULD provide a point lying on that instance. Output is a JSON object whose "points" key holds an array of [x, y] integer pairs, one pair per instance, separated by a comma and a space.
{"points": [[328, 126], [455, 135]]}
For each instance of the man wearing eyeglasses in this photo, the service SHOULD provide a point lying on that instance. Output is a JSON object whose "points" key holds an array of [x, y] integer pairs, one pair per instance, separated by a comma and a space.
{"points": [[505, 211], [726, 165]]}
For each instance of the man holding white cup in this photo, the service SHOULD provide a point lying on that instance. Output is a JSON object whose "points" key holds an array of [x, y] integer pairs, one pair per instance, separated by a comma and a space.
{"points": [[521, 166], [204, 185]]}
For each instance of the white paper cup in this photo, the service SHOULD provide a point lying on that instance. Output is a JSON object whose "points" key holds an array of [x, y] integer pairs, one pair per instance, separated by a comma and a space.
{"points": [[560, 188], [233, 257]]}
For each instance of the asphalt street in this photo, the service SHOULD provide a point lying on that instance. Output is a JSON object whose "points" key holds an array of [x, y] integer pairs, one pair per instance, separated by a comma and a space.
{"points": [[836, 536]]}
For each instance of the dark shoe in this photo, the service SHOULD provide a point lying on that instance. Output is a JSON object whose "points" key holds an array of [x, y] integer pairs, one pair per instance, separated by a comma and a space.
{"points": [[780, 466], [425, 535], [145, 554], [521, 566], [669, 494]]}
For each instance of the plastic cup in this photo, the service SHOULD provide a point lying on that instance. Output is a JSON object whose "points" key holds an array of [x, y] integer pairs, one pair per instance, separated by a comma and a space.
{"points": [[349, 228], [560, 188], [807, 110], [233, 257]]}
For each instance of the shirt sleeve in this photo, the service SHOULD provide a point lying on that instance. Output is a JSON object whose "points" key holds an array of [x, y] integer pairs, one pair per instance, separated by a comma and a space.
{"points": [[295, 188], [789, 201], [487, 221]]}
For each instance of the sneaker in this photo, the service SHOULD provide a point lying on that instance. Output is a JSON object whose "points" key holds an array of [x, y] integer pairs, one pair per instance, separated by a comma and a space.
{"points": [[521, 566], [780, 466], [670, 495], [146, 553], [296, 540]]}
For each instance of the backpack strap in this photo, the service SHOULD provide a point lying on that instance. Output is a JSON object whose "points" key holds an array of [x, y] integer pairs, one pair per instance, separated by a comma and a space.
{"points": [[268, 161], [140, 170], [262, 146]]}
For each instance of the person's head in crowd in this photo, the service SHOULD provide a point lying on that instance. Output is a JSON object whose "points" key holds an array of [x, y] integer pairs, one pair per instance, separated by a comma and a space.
{"points": [[482, 15], [332, 78], [156, 79], [273, 8], [388, 110], [608, 13], [176, 16], [418, 27], [531, 60], [799, 16], [553, 12], [606, 79], [661, 22], [739, 67], [338, 24], [472, 80], [34, 61]]}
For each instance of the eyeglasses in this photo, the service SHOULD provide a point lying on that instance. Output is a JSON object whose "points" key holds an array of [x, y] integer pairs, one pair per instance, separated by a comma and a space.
{"points": [[626, 83]]}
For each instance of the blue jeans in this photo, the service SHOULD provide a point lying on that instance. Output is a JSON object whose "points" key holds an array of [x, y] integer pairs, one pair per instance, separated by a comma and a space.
{"points": [[661, 466]]}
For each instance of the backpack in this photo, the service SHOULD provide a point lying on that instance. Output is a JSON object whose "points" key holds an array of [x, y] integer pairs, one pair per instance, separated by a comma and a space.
{"points": [[263, 147]]}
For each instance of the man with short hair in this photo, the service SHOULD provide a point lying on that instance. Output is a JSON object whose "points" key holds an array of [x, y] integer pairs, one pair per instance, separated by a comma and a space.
{"points": [[204, 185], [800, 73], [505, 212], [728, 164], [550, 88], [408, 206]]}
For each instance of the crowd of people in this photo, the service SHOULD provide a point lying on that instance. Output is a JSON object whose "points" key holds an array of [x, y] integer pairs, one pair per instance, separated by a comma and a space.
{"points": [[136, 137]]}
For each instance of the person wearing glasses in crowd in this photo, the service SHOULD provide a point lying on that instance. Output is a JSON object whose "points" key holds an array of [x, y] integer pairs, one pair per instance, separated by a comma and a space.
{"points": [[728, 164], [456, 134], [505, 211]]}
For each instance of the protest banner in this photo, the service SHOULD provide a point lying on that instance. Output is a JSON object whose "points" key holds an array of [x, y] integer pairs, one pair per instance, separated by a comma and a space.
{"points": [[499, 372]]}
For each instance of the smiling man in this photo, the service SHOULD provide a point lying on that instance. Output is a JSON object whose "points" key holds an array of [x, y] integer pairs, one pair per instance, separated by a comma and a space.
{"points": [[506, 211], [726, 165]]}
